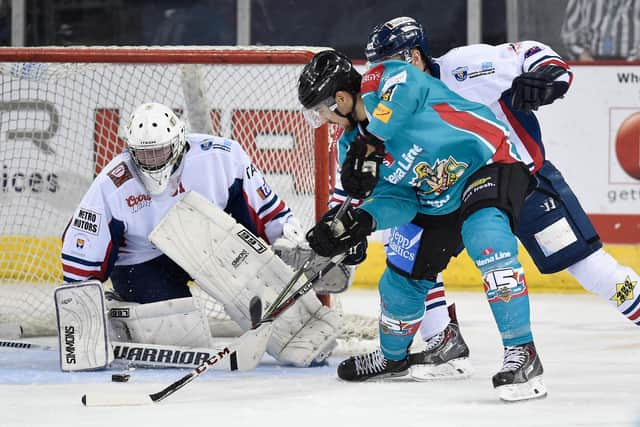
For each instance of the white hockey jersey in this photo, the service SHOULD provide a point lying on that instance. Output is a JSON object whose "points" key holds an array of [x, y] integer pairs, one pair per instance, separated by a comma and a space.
{"points": [[483, 73], [114, 218]]}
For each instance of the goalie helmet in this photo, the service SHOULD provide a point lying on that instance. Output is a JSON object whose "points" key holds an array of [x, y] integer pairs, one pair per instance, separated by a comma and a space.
{"points": [[156, 139], [328, 72], [396, 37]]}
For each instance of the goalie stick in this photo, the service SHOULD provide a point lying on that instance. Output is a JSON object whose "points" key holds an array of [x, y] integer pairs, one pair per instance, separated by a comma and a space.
{"points": [[253, 342], [23, 345], [255, 338]]}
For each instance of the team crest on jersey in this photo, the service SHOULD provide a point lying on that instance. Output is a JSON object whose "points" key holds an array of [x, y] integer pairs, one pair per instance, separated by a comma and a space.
{"points": [[460, 73], [120, 174], [624, 291], [439, 177]]}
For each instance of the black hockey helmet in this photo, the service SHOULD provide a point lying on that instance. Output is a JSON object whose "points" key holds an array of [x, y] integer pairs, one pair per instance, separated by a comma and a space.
{"points": [[328, 72]]}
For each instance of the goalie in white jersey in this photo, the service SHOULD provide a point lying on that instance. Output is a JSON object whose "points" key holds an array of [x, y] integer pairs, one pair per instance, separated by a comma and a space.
{"points": [[107, 237], [513, 80]]}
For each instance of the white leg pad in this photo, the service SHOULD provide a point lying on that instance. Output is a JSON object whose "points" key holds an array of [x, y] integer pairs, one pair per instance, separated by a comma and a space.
{"points": [[82, 326], [173, 322], [232, 265]]}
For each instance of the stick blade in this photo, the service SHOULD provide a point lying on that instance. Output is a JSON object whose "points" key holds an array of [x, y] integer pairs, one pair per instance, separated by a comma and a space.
{"points": [[250, 347], [116, 399]]}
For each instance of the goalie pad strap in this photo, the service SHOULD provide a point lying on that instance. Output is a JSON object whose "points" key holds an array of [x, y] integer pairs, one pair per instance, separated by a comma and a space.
{"points": [[82, 326]]}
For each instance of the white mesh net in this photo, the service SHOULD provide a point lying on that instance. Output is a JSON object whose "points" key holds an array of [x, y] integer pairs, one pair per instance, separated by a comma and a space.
{"points": [[60, 123]]}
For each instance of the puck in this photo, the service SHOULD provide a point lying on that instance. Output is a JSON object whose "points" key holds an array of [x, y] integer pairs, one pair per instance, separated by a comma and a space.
{"points": [[120, 378]]}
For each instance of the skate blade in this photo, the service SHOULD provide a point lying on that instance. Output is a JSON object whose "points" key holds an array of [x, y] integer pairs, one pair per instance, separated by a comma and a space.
{"points": [[456, 369], [532, 389]]}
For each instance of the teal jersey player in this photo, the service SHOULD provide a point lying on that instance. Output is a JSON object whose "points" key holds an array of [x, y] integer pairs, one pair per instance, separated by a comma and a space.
{"points": [[440, 172], [434, 140]]}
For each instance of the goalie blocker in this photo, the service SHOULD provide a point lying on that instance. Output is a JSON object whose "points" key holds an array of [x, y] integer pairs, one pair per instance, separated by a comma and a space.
{"points": [[82, 326]]}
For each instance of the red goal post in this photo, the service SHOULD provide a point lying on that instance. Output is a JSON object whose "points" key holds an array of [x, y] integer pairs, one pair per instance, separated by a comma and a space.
{"points": [[60, 118]]}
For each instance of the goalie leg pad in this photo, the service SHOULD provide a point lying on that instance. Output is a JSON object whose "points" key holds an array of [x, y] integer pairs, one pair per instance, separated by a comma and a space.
{"points": [[82, 326], [306, 333], [172, 322], [232, 265]]}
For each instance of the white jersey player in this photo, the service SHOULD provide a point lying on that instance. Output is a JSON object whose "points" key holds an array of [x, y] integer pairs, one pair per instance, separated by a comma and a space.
{"points": [[514, 79], [107, 237]]}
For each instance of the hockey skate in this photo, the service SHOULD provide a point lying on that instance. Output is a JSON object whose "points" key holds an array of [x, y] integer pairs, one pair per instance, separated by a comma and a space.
{"points": [[446, 355], [372, 366], [521, 375]]}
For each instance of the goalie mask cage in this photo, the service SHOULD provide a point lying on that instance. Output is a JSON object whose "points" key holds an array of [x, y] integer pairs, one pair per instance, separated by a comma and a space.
{"points": [[61, 121]]}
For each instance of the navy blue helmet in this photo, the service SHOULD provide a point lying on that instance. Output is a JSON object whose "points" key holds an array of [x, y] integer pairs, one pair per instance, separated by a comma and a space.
{"points": [[396, 37]]}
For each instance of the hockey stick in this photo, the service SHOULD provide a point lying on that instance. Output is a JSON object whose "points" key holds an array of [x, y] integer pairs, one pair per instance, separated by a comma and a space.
{"points": [[142, 355], [253, 342], [25, 345], [255, 338]]}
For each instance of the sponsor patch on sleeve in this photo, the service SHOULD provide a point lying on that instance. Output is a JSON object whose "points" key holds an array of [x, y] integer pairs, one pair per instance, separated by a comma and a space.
{"points": [[86, 220], [120, 174], [371, 79], [382, 113]]}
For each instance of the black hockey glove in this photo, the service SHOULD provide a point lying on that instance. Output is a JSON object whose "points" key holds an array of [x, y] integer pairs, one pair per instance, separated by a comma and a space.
{"points": [[533, 89], [359, 173], [350, 230]]}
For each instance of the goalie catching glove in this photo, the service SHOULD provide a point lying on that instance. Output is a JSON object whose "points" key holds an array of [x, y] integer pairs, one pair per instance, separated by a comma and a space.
{"points": [[360, 170], [329, 239], [539, 87], [339, 278], [294, 250]]}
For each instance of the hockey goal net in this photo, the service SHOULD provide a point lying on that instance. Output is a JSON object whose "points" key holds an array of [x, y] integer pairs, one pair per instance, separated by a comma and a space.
{"points": [[61, 118]]}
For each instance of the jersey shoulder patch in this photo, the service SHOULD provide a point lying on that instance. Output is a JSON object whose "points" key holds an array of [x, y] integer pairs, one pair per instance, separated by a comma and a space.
{"points": [[371, 79], [120, 174]]}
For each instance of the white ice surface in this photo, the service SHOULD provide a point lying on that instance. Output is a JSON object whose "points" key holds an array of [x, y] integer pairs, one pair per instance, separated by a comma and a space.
{"points": [[589, 352]]}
